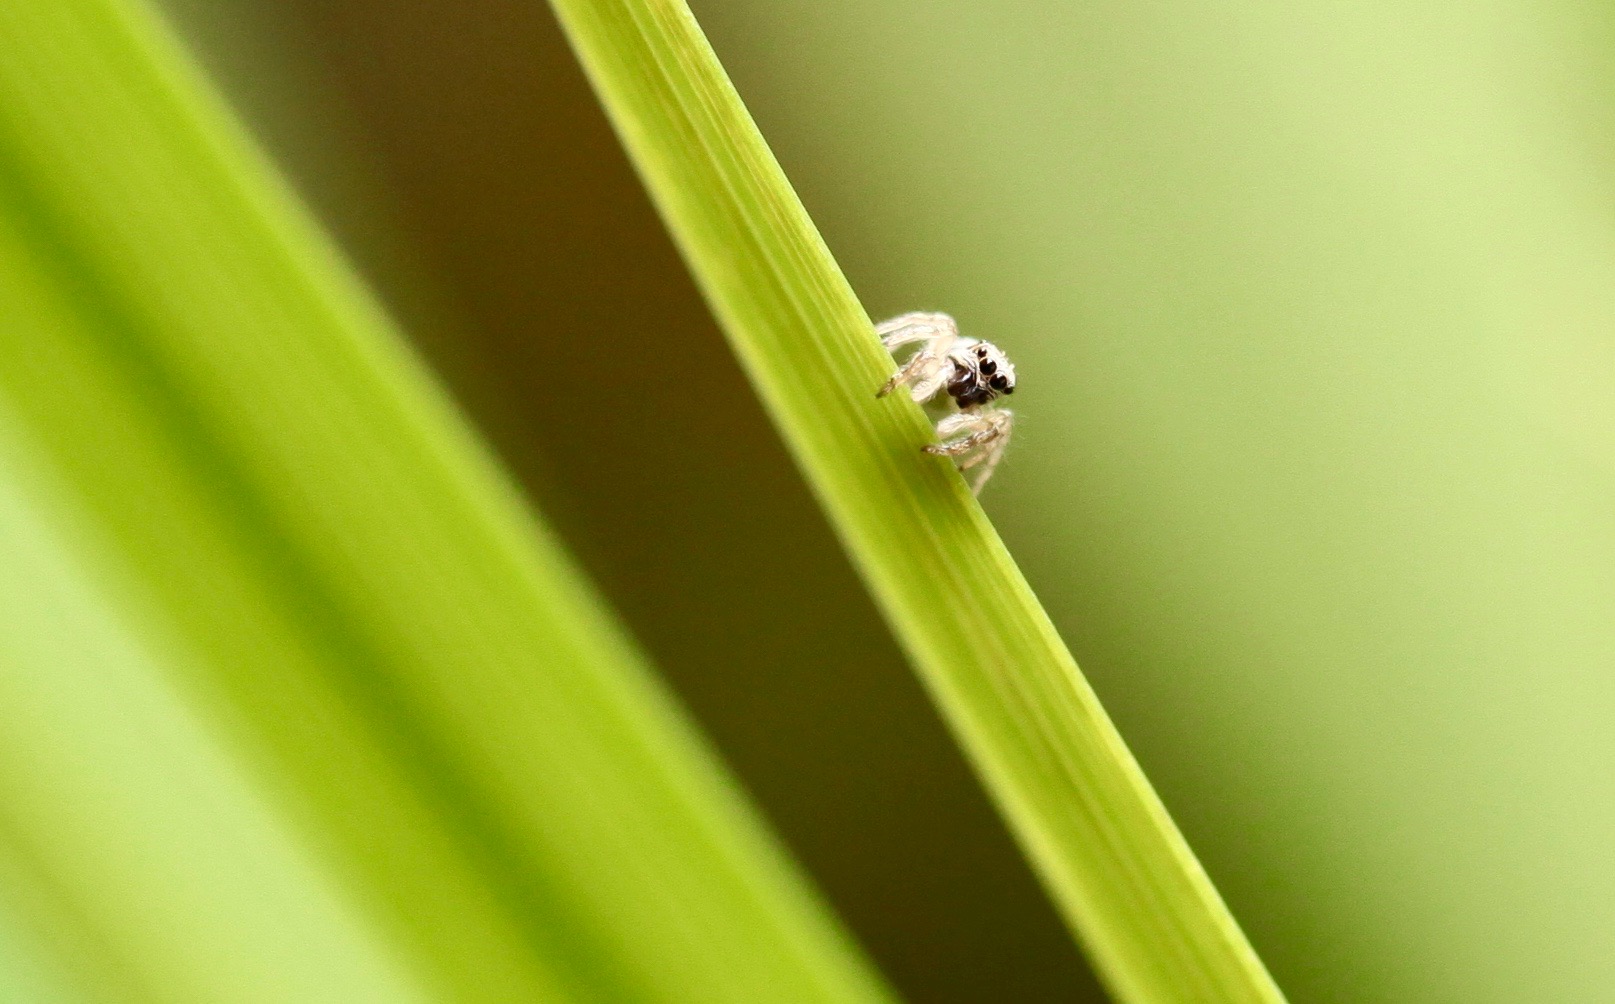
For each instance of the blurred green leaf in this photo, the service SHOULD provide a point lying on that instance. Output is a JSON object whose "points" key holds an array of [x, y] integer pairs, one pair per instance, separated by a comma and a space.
{"points": [[300, 701], [1085, 814]]}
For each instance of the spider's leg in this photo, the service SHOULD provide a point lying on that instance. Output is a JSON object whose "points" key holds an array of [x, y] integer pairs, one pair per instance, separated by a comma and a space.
{"points": [[985, 436], [919, 326], [898, 330], [987, 460], [978, 427], [995, 430], [927, 369], [940, 371], [891, 324], [907, 335]]}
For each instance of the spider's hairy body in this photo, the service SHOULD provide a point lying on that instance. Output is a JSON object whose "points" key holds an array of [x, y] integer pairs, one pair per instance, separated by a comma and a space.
{"points": [[972, 372]]}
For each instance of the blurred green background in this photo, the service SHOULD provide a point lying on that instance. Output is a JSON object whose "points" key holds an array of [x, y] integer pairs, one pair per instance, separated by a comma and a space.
{"points": [[1313, 308]]}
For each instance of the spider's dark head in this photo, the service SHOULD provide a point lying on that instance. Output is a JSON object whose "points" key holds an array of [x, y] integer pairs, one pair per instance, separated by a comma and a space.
{"points": [[981, 373]]}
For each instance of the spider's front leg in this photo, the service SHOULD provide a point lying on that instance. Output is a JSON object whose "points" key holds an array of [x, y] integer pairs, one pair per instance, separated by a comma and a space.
{"points": [[977, 439], [916, 326], [927, 370]]}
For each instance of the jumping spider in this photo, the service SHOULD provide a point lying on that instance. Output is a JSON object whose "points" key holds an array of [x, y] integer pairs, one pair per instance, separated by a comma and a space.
{"points": [[973, 372]]}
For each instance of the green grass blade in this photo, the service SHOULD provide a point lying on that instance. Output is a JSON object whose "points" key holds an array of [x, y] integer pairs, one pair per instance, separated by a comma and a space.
{"points": [[190, 839], [267, 520], [1084, 812]]}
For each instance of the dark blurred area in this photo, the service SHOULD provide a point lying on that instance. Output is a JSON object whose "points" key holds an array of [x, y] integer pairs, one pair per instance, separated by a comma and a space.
{"points": [[458, 152]]}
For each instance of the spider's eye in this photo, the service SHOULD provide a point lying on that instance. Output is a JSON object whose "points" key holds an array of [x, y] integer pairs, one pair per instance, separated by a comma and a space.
{"points": [[999, 384], [988, 367], [1010, 389]]}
